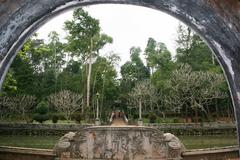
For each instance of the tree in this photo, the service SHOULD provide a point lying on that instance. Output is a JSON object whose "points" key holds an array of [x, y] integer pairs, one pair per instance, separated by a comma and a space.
{"points": [[194, 90], [157, 55], [17, 105], [10, 84], [66, 102], [145, 92], [22, 105], [191, 49], [5, 108], [85, 40], [132, 71], [22, 70], [105, 81]]}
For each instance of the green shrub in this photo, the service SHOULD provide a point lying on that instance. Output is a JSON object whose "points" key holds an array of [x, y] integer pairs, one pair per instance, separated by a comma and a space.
{"points": [[41, 112], [40, 117], [55, 118], [78, 118], [175, 120], [42, 108], [135, 116], [145, 120], [152, 118]]}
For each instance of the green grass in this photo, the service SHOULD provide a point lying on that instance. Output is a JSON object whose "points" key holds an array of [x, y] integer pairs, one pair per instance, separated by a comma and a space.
{"points": [[48, 142], [197, 142], [43, 142]]}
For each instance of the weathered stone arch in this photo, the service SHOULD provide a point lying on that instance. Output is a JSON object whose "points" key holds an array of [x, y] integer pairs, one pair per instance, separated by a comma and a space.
{"points": [[217, 21]]}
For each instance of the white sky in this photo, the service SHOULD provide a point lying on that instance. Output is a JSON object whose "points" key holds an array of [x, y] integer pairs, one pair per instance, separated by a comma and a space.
{"points": [[128, 25]]}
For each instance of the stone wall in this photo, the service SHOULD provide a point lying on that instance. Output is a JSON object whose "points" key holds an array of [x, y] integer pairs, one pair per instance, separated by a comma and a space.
{"points": [[17, 153], [119, 143], [225, 153]]}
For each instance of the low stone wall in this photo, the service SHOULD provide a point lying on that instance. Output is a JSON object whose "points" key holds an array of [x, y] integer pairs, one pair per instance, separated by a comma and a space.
{"points": [[17, 153], [225, 153], [61, 129]]}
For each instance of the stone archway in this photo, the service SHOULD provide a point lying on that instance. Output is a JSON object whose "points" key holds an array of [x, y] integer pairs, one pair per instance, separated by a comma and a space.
{"points": [[217, 21]]}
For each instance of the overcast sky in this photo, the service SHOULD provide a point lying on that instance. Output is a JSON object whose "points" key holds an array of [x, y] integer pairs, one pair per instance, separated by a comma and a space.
{"points": [[128, 25]]}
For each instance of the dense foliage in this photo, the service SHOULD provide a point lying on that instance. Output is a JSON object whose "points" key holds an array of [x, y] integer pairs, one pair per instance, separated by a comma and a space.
{"points": [[68, 75]]}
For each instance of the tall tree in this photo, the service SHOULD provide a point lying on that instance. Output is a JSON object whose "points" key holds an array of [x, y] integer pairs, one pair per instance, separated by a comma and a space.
{"points": [[191, 49], [134, 70], [157, 55], [85, 41], [105, 81]]}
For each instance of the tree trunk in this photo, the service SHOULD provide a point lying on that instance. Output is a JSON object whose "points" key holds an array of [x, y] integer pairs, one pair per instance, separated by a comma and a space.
{"points": [[216, 107], [151, 104], [102, 98], [196, 115], [93, 87], [82, 105], [208, 113], [89, 75], [186, 114]]}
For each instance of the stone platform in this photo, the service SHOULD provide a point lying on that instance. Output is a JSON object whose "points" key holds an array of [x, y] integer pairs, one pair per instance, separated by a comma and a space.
{"points": [[119, 143]]}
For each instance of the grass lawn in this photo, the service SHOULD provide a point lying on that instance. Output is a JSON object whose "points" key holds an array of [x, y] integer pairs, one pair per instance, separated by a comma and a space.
{"points": [[48, 142], [43, 142], [198, 142]]}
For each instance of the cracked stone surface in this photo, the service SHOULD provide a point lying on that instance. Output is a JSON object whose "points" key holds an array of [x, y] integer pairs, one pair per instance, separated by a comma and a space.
{"points": [[216, 21], [119, 143]]}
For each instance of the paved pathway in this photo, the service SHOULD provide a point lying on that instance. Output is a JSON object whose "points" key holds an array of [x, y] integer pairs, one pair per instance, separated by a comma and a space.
{"points": [[118, 122]]}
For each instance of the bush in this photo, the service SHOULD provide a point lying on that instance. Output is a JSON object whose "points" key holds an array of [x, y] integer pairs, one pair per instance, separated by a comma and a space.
{"points": [[78, 118], [42, 108], [175, 120], [55, 118], [29, 119], [60, 116], [152, 118], [40, 117], [135, 116], [41, 112]]}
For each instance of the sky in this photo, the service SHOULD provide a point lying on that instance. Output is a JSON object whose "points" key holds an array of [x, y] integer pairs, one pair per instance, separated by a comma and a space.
{"points": [[128, 26]]}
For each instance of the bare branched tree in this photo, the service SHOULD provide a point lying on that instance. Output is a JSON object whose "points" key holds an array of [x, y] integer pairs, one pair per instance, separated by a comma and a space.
{"points": [[19, 104], [66, 102], [4, 107], [194, 90], [22, 104], [148, 94]]}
